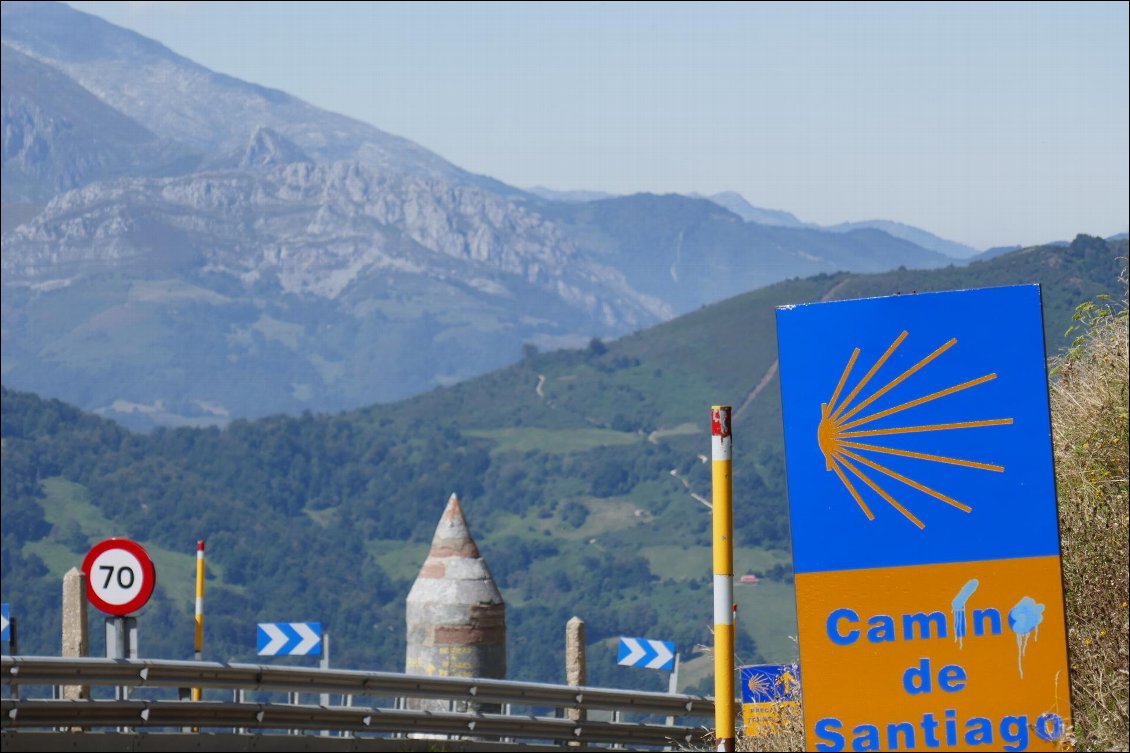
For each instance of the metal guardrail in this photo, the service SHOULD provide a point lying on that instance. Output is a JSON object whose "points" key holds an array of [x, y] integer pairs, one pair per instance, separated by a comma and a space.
{"points": [[138, 673], [266, 717]]}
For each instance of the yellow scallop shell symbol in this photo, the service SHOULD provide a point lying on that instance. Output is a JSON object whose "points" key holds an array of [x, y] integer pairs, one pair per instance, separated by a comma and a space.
{"points": [[758, 685], [839, 430]]}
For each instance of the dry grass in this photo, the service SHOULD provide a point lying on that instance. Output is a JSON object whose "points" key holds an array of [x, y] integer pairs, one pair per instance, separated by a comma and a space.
{"points": [[1089, 420], [788, 735]]}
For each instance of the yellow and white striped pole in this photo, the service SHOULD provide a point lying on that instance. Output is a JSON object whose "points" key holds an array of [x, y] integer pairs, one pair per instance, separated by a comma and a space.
{"points": [[199, 609], [721, 447]]}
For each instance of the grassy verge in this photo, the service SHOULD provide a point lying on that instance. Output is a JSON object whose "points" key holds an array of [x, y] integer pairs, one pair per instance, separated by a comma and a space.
{"points": [[1089, 418]]}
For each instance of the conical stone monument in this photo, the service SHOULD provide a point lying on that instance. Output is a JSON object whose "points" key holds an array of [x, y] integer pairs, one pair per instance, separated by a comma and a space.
{"points": [[455, 613]]}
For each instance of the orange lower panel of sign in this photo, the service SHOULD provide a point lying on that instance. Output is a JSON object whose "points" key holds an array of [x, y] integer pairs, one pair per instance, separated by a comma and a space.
{"points": [[958, 656]]}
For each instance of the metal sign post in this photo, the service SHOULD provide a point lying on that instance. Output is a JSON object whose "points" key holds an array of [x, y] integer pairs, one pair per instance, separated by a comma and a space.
{"points": [[121, 643], [721, 452], [673, 687]]}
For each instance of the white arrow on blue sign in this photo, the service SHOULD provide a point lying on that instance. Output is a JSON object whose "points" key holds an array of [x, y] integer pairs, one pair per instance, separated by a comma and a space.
{"points": [[5, 631], [642, 652], [290, 638]]}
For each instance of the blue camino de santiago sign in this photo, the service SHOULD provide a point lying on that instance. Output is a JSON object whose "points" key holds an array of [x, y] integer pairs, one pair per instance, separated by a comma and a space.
{"points": [[923, 512], [768, 690]]}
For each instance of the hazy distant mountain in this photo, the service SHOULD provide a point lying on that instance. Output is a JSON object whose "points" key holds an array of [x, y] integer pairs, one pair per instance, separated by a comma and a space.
{"points": [[994, 252], [737, 204], [914, 235], [569, 196], [690, 251], [181, 247]]}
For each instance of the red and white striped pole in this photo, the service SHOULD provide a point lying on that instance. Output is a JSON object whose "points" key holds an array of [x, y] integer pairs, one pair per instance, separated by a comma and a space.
{"points": [[196, 694], [721, 450]]}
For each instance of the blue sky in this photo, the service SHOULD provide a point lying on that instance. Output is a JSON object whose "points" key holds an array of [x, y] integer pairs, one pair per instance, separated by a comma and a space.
{"points": [[988, 124]]}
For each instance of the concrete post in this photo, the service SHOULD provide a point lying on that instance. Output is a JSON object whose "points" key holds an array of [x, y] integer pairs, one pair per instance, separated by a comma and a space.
{"points": [[575, 674], [575, 667], [75, 641]]}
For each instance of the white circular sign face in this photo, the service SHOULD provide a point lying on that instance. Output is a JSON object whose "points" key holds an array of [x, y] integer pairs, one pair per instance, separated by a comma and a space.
{"points": [[119, 576]]}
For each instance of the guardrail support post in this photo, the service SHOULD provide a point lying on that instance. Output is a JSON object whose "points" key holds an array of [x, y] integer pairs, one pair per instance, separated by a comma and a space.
{"points": [[324, 663]]}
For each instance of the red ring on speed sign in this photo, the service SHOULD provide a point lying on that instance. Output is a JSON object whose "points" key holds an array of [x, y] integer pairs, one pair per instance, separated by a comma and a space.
{"points": [[119, 576]]}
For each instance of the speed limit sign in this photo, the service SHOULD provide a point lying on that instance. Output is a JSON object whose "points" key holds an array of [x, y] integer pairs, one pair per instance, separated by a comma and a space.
{"points": [[119, 576]]}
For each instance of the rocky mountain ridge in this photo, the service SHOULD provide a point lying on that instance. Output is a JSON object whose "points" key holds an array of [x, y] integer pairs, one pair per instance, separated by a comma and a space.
{"points": [[314, 229]]}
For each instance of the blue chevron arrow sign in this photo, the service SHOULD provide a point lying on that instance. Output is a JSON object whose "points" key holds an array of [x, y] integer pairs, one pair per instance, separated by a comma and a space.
{"points": [[642, 652], [290, 639]]}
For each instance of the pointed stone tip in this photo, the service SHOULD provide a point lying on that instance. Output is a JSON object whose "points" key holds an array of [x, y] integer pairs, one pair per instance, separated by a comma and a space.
{"points": [[453, 513], [453, 537]]}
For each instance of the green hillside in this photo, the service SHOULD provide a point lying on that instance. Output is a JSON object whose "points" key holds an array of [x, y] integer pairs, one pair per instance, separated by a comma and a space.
{"points": [[579, 472]]}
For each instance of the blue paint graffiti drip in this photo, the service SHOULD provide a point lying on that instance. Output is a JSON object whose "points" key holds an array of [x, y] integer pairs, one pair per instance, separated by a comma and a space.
{"points": [[1024, 619], [958, 610]]}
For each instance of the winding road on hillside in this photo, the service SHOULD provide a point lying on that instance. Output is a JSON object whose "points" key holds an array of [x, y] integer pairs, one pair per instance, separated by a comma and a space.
{"points": [[776, 365], [764, 382]]}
